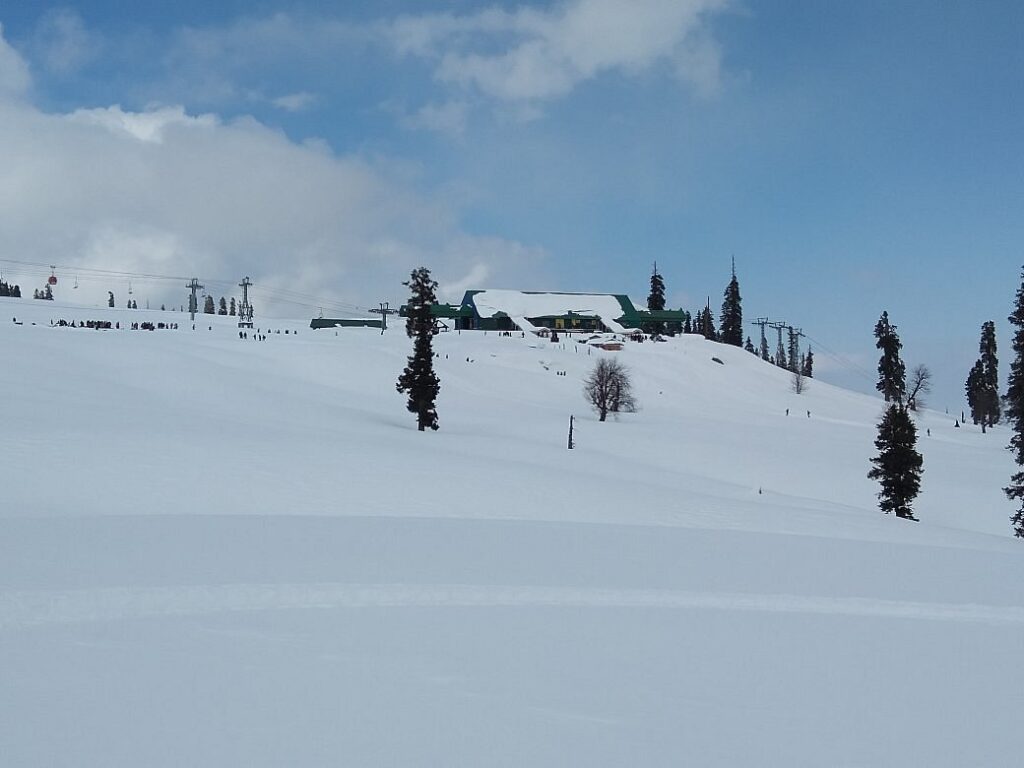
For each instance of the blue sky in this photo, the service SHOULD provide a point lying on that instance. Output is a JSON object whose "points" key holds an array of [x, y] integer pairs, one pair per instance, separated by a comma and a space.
{"points": [[854, 157]]}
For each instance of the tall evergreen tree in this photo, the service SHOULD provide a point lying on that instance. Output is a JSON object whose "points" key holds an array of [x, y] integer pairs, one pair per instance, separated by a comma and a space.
{"points": [[708, 326], [898, 465], [990, 373], [764, 347], [231, 308], [1015, 411], [793, 353], [223, 306], [749, 346], [808, 364], [418, 379], [110, 298], [656, 300], [892, 374], [731, 323], [208, 306], [974, 389]]}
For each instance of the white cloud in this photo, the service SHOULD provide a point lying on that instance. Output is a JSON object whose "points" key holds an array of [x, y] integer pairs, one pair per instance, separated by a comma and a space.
{"points": [[14, 74], [170, 193], [62, 43], [295, 102], [145, 126], [535, 55], [447, 118]]}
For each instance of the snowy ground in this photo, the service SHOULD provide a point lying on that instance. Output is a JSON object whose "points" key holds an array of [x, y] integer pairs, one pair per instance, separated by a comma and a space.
{"points": [[225, 552]]}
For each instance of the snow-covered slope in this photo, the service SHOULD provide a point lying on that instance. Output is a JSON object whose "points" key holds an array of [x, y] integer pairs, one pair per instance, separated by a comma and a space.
{"points": [[220, 551]]}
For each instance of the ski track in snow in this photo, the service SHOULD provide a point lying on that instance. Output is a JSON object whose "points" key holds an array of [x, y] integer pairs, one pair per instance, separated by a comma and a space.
{"points": [[22, 609]]}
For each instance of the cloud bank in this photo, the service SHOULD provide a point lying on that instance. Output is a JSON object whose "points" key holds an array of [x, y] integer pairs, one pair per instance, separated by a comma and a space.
{"points": [[535, 55], [166, 192]]}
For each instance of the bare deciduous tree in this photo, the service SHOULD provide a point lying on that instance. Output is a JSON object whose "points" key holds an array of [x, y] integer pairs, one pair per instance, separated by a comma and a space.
{"points": [[920, 385], [608, 388]]}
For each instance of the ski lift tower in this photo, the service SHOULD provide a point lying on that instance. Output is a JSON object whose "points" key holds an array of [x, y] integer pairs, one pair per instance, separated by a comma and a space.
{"points": [[245, 310]]}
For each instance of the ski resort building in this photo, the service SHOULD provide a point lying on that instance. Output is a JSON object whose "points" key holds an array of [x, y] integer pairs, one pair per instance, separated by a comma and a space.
{"points": [[543, 311], [345, 322]]}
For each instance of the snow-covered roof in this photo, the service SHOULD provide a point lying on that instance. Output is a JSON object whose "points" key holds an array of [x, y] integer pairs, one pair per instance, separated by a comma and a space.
{"points": [[519, 305]]}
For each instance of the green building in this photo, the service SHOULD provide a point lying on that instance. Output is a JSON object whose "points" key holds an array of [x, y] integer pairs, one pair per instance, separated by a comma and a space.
{"points": [[535, 311]]}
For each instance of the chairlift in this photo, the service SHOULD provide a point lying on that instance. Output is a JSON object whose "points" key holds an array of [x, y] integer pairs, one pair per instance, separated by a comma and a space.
{"points": [[129, 287], [52, 279], [76, 282]]}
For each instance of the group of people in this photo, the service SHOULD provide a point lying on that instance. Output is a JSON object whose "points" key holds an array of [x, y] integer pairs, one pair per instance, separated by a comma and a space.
{"points": [[106, 325]]}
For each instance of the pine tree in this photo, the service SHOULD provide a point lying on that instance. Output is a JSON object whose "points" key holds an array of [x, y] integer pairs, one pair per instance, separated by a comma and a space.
{"points": [[898, 465], [708, 325], [231, 309], [990, 374], [418, 379], [1015, 411], [656, 300], [110, 298], [687, 323], [808, 364], [749, 346], [208, 307], [764, 347], [892, 375], [223, 307], [731, 323], [793, 355], [973, 388]]}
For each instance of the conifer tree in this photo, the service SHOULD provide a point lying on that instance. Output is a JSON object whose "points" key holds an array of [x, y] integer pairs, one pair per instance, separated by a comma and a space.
{"points": [[110, 298], [418, 379], [708, 326], [731, 323], [991, 409], [749, 346], [223, 307], [656, 300], [208, 306], [793, 354], [231, 309], [973, 387], [892, 376], [808, 364], [764, 347], [1015, 411], [898, 465]]}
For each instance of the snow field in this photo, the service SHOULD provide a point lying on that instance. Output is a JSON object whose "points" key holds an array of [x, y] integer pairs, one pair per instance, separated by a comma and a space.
{"points": [[225, 552]]}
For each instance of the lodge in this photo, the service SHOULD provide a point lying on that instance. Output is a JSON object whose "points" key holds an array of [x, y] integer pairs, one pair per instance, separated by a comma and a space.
{"points": [[544, 311]]}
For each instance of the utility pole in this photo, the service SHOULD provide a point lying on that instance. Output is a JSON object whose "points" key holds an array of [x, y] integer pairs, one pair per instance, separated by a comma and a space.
{"points": [[384, 311], [193, 303], [245, 310], [780, 350], [763, 349]]}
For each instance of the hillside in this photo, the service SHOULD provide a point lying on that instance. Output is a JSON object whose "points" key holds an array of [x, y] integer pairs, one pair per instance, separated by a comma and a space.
{"points": [[222, 551]]}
